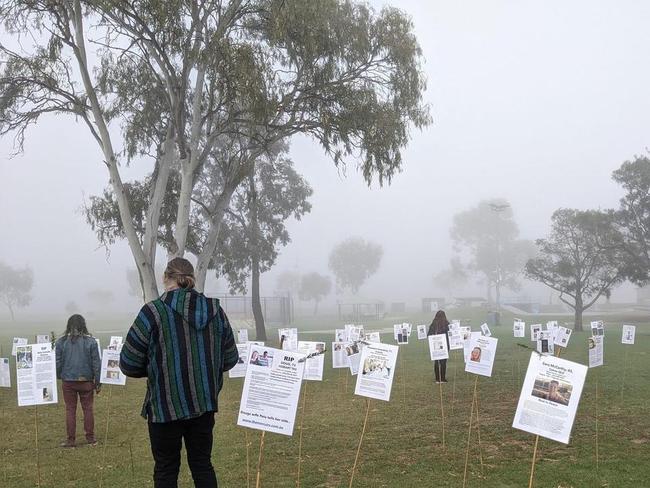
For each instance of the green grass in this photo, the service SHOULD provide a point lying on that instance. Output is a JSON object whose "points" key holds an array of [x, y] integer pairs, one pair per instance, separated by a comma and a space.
{"points": [[403, 442]]}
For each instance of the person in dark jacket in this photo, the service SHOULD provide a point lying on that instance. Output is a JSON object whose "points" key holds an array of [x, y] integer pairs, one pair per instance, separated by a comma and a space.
{"points": [[182, 343], [440, 325], [78, 365]]}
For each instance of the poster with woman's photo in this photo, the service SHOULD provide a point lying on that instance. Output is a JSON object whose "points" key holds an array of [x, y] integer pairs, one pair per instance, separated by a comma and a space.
{"points": [[467, 344], [545, 342], [110, 373], [485, 330], [288, 339], [438, 347], [239, 371], [313, 365], [549, 397], [375, 379], [629, 332], [115, 343], [339, 355], [422, 331], [36, 375], [534, 331], [596, 351], [519, 328], [5, 373], [271, 390], [482, 351]]}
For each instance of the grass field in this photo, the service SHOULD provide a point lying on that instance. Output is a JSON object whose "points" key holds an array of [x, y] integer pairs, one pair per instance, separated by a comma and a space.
{"points": [[403, 442]]}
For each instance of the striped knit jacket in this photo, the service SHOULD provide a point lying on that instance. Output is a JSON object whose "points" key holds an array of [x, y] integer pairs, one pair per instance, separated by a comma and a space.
{"points": [[182, 343]]}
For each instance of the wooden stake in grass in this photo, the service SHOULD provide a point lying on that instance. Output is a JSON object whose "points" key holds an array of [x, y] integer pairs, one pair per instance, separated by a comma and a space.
{"points": [[363, 431], [453, 391], [597, 384], [532, 466], [108, 418], [442, 413], [248, 470], [469, 431], [403, 368], [302, 418], [38, 451], [258, 482], [624, 372]]}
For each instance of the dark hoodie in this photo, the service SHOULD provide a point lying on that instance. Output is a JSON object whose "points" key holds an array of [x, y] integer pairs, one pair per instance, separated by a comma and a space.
{"points": [[182, 342]]}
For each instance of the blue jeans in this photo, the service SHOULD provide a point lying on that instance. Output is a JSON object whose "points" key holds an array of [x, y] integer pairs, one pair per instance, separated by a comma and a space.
{"points": [[166, 439]]}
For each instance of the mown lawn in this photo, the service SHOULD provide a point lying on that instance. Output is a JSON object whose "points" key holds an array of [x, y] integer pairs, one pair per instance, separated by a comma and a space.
{"points": [[403, 444]]}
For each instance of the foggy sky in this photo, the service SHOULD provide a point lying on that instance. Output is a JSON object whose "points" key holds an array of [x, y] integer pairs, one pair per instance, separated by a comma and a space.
{"points": [[535, 102]]}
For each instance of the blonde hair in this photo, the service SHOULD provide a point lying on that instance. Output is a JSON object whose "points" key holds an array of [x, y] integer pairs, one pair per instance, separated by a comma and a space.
{"points": [[181, 271]]}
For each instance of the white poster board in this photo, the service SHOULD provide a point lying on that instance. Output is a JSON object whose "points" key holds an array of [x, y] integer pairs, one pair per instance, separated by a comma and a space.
{"points": [[597, 328], [373, 337], [5, 373], [468, 342], [271, 390], [239, 370], [519, 328], [340, 335], [401, 332], [549, 397], [534, 331], [36, 375], [422, 331], [313, 366], [115, 343], [110, 373], [562, 336], [353, 353], [339, 356], [629, 334], [242, 336], [483, 350], [377, 371], [43, 339], [596, 353], [485, 330], [288, 339], [18, 341], [545, 342], [438, 347]]}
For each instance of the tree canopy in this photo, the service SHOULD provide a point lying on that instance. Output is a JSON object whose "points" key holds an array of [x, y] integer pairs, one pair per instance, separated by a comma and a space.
{"points": [[314, 286], [15, 287], [353, 261]]}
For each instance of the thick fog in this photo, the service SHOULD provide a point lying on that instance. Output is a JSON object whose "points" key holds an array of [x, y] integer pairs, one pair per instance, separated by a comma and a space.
{"points": [[534, 102]]}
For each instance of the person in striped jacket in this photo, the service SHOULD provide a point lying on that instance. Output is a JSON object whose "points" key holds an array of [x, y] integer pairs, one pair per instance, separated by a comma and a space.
{"points": [[182, 343]]}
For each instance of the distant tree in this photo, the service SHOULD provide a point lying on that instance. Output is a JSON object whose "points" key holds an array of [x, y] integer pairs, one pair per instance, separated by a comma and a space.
{"points": [[579, 259], [451, 278], [100, 297], [314, 286], [632, 219], [353, 261], [71, 307], [288, 282], [486, 239], [15, 285], [254, 226]]}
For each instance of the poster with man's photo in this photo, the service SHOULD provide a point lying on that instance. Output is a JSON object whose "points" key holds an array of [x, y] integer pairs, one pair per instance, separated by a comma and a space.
{"points": [[339, 355], [549, 397], [534, 331], [482, 351], [313, 365], [239, 371], [271, 389], [36, 375], [545, 342], [115, 343], [288, 339], [485, 330], [438, 347], [422, 331], [5, 373], [375, 379], [596, 351], [629, 333], [110, 373]]}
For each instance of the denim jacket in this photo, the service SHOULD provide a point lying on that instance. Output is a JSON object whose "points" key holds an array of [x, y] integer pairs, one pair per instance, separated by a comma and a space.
{"points": [[77, 359]]}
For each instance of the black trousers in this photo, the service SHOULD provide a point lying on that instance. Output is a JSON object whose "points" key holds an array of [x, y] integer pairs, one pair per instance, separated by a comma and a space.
{"points": [[440, 369], [166, 441]]}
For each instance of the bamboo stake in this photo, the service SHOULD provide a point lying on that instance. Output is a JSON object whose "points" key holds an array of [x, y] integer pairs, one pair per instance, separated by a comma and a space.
{"points": [[478, 425], [532, 466], [403, 368], [442, 412], [302, 418], [258, 482], [38, 451], [453, 391], [469, 435], [597, 384], [108, 417], [248, 470], [363, 431]]}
